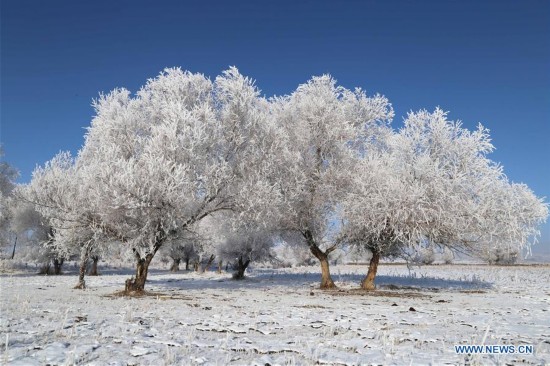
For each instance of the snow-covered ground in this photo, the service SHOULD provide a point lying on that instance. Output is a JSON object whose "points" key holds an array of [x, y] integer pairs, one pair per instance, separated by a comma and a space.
{"points": [[278, 317]]}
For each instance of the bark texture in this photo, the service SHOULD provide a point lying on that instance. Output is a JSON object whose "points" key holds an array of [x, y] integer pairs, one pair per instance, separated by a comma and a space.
{"points": [[137, 284], [368, 281], [326, 278], [84, 256], [81, 285]]}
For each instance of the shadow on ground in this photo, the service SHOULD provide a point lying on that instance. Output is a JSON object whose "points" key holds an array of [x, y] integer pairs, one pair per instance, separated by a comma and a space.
{"points": [[267, 278]]}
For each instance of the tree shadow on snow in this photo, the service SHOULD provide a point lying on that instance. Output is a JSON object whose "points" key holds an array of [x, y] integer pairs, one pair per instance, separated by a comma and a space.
{"points": [[268, 278], [430, 283]]}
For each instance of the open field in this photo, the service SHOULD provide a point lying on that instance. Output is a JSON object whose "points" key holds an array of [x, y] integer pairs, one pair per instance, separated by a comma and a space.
{"points": [[278, 317]]}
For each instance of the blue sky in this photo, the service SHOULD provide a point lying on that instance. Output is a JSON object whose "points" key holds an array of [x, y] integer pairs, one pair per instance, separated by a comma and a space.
{"points": [[484, 61]]}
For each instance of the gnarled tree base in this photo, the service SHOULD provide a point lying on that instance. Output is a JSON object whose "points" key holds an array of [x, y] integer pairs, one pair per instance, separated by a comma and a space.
{"points": [[329, 285], [134, 285], [367, 285], [137, 283]]}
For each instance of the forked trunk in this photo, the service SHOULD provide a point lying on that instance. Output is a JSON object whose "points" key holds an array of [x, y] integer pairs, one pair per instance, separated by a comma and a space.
{"points": [[137, 284], [175, 265], [326, 279], [368, 281], [241, 268]]}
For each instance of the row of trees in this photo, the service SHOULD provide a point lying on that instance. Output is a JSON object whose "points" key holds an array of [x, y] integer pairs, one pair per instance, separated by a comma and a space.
{"points": [[188, 160]]}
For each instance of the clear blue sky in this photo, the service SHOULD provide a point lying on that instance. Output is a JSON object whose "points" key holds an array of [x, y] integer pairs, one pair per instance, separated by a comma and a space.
{"points": [[484, 61]]}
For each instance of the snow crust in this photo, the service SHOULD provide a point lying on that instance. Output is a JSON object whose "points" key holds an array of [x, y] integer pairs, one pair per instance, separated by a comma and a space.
{"points": [[278, 317]]}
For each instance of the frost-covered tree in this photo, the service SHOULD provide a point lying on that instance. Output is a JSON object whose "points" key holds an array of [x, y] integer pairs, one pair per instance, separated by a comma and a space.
{"points": [[433, 183], [60, 192], [241, 248], [424, 255], [447, 256], [182, 249], [498, 255], [181, 149], [39, 239], [324, 125], [241, 242], [35, 236], [208, 235], [356, 254], [8, 175], [293, 254]]}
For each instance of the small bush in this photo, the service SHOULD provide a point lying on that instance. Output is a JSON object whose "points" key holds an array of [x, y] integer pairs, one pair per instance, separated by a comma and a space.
{"points": [[447, 256], [424, 256], [502, 256]]}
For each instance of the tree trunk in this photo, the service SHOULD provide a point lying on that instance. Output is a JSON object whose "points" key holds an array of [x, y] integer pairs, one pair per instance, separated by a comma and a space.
{"points": [[175, 265], [196, 266], [93, 271], [85, 254], [208, 264], [137, 284], [326, 279], [14, 244], [187, 264], [368, 281], [81, 285], [241, 268], [220, 265], [57, 264]]}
